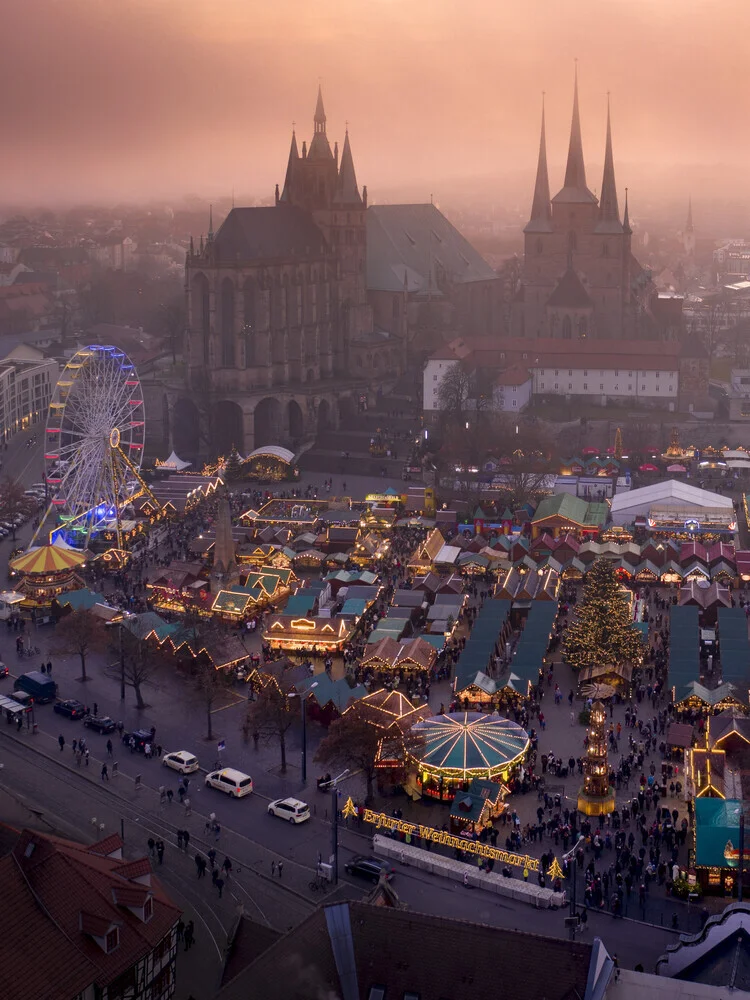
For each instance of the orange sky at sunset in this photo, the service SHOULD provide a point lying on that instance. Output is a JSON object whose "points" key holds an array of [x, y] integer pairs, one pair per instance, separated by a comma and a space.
{"points": [[160, 97]]}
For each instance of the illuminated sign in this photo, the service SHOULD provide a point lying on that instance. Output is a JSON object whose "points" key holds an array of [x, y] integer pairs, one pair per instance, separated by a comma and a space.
{"points": [[381, 821], [304, 625]]}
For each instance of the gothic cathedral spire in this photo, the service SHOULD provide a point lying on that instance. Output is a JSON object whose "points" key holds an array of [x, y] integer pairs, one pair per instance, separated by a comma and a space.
{"points": [[286, 194], [574, 189], [540, 220], [347, 192], [319, 147], [609, 212]]}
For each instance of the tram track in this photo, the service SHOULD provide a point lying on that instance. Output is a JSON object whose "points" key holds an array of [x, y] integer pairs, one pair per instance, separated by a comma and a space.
{"points": [[270, 891]]}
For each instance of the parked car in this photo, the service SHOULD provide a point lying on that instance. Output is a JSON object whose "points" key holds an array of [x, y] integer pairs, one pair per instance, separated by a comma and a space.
{"points": [[369, 867], [100, 723], [141, 737], [228, 780], [3, 670], [40, 686], [182, 761], [292, 810], [70, 708]]}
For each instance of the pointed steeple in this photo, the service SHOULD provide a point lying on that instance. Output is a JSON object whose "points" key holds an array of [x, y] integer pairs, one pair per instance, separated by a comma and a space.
{"points": [[609, 212], [574, 189], [626, 217], [210, 223], [689, 223], [286, 194], [320, 114], [319, 147], [347, 192], [540, 220]]}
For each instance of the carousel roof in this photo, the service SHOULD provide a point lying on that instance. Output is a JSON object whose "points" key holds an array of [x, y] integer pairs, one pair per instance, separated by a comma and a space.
{"points": [[470, 743], [48, 559]]}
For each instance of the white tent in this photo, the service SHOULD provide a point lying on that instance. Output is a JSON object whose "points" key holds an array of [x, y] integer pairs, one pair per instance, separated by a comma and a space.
{"points": [[174, 464], [627, 506]]}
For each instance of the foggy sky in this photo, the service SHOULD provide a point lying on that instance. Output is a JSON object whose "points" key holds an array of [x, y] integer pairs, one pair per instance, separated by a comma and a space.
{"points": [[127, 99]]}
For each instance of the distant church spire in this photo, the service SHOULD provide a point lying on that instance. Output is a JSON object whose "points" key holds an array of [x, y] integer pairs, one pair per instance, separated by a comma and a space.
{"points": [[347, 192], [286, 194], [609, 212], [540, 220], [319, 147], [575, 189], [320, 114], [626, 217], [210, 223]]}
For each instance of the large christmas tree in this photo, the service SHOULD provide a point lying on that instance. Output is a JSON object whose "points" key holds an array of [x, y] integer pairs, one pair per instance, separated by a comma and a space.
{"points": [[602, 631]]}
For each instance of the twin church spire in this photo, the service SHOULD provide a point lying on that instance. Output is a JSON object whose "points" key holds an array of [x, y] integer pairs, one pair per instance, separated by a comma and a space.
{"points": [[575, 189]]}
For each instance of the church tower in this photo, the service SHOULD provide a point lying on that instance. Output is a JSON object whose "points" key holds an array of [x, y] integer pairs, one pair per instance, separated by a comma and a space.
{"points": [[688, 237]]}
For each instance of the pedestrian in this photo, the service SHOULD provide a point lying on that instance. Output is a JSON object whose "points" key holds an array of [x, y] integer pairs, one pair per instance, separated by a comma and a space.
{"points": [[61, 741], [180, 929], [75, 745], [185, 838], [273, 868], [170, 795], [280, 868], [86, 754], [188, 806], [105, 773], [19, 723], [217, 833], [211, 855], [160, 850], [227, 866], [151, 845], [189, 933], [198, 861], [179, 839], [219, 883]]}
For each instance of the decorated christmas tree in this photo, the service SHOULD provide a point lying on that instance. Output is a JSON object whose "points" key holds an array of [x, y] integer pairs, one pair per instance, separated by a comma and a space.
{"points": [[596, 795], [233, 468], [618, 444], [602, 631]]}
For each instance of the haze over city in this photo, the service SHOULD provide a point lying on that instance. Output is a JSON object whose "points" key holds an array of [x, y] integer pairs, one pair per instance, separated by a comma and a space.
{"points": [[148, 99]]}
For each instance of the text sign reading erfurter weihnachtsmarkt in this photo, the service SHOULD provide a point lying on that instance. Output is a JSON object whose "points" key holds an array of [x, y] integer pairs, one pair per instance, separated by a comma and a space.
{"points": [[382, 821]]}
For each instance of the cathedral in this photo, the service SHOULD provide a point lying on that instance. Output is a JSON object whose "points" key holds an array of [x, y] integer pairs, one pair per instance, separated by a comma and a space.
{"points": [[280, 341], [579, 277]]}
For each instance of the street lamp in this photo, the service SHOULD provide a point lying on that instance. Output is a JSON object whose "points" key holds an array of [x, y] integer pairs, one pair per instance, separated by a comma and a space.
{"points": [[303, 701]]}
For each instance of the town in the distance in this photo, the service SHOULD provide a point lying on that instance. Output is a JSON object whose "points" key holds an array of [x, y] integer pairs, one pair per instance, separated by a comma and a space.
{"points": [[420, 532]]}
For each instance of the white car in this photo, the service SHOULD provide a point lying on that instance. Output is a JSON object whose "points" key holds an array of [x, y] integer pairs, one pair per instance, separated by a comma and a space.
{"points": [[292, 810], [182, 761], [228, 780]]}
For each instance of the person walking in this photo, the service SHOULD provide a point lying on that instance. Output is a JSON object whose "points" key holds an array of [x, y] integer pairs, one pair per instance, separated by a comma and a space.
{"points": [[179, 839], [188, 806], [189, 934], [61, 741], [87, 754], [185, 838], [49, 666], [280, 867], [160, 851], [217, 833], [105, 773], [227, 866], [110, 748], [211, 855], [219, 883], [74, 744]]}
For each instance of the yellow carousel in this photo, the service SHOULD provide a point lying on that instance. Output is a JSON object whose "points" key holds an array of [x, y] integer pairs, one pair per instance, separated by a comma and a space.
{"points": [[46, 572]]}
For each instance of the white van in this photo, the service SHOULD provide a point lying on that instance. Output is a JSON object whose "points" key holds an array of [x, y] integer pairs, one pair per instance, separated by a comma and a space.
{"points": [[232, 782]]}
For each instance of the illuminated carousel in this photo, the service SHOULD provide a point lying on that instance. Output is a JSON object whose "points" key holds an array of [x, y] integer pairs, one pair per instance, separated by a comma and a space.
{"points": [[455, 748], [46, 572]]}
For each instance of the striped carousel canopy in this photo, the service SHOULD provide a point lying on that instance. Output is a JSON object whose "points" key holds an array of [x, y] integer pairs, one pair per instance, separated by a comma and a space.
{"points": [[48, 559], [470, 744]]}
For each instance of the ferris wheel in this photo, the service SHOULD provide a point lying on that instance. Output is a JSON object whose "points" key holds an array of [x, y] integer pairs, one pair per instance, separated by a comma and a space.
{"points": [[94, 440]]}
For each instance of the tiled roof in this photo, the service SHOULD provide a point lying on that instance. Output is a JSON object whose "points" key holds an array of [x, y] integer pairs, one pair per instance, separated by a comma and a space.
{"points": [[408, 952], [52, 887]]}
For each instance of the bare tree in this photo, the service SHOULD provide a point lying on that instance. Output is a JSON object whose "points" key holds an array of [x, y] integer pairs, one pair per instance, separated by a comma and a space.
{"points": [[79, 634], [272, 713], [140, 660], [203, 635]]}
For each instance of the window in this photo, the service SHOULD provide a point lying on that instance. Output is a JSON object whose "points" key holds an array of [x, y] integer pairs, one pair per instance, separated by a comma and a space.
{"points": [[570, 385], [671, 374], [515, 402], [657, 388], [630, 374], [556, 385], [630, 387], [585, 372], [557, 371], [616, 373], [657, 374], [643, 388], [112, 939], [601, 386], [570, 371], [434, 378], [585, 386], [541, 371], [671, 389], [541, 385]]}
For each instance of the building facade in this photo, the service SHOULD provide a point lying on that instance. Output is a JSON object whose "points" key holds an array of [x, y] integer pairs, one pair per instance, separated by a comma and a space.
{"points": [[27, 379], [280, 339], [580, 279]]}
